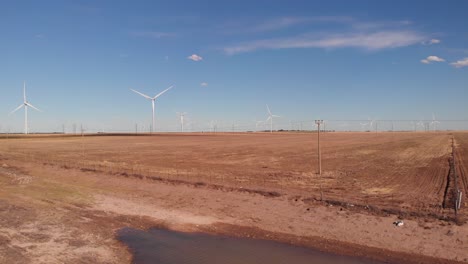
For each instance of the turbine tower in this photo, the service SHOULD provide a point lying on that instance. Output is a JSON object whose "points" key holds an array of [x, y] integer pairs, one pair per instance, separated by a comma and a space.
{"points": [[270, 118], [153, 99], [181, 117], [434, 122], [25, 104]]}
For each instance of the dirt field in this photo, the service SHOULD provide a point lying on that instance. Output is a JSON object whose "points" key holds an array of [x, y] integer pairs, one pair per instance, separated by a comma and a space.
{"points": [[393, 170], [109, 182]]}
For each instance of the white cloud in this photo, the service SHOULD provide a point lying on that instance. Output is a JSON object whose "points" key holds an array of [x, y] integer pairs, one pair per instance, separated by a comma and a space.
{"points": [[204, 84], [430, 59], [460, 63], [285, 22], [435, 58], [370, 41], [432, 41], [380, 24], [195, 57], [279, 23]]}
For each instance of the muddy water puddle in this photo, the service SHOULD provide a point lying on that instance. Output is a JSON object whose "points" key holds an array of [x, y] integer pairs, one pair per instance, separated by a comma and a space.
{"points": [[160, 246]]}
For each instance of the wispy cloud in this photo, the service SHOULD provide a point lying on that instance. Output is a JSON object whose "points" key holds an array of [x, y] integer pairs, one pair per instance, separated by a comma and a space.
{"points": [[430, 59], [461, 63], [286, 22], [278, 23], [431, 42], [379, 24], [195, 57], [204, 84], [365, 40], [153, 34]]}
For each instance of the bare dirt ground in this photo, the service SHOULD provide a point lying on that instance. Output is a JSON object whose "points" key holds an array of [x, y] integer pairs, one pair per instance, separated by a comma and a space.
{"points": [[61, 199]]}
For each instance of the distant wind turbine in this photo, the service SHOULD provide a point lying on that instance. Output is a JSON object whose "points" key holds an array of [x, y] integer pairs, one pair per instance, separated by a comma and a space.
{"points": [[420, 124], [434, 122], [181, 117], [25, 104], [270, 118], [257, 124], [213, 125], [153, 99]]}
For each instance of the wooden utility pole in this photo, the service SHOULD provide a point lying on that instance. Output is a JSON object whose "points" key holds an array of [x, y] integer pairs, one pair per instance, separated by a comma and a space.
{"points": [[318, 123]]}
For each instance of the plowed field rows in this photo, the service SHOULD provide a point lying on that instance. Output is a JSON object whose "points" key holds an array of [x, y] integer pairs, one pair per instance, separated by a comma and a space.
{"points": [[391, 170]]}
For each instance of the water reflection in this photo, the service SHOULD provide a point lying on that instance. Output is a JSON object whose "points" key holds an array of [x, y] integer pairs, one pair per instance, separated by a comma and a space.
{"points": [[159, 246]]}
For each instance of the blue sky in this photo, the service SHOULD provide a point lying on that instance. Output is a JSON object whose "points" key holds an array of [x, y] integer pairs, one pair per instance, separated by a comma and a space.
{"points": [[334, 60]]}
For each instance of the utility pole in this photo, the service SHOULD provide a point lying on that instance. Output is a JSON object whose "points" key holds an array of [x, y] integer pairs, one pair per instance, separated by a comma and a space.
{"points": [[318, 123]]}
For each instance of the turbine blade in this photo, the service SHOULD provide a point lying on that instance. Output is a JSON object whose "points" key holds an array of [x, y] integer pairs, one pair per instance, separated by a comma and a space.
{"points": [[159, 94], [18, 108], [144, 95], [24, 91], [275, 116], [268, 108], [268, 119], [32, 106]]}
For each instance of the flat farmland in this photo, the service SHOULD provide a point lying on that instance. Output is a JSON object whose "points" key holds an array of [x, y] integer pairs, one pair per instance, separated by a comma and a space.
{"points": [[406, 171]]}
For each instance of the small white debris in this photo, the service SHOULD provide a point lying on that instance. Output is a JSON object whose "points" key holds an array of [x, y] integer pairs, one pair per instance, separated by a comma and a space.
{"points": [[398, 223]]}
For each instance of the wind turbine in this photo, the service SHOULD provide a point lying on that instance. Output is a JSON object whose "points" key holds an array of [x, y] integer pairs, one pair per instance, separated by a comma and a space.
{"points": [[25, 104], [257, 124], [270, 117], [213, 125], [420, 124], [414, 125], [363, 125], [434, 122], [153, 99], [181, 117]]}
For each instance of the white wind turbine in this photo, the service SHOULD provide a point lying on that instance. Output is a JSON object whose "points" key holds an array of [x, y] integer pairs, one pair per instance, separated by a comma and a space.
{"points": [[270, 118], [213, 125], [434, 122], [153, 99], [257, 124], [370, 124], [25, 104], [181, 118]]}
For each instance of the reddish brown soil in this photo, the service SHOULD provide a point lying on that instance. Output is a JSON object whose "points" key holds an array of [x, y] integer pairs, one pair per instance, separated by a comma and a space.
{"points": [[403, 171], [461, 162], [255, 185]]}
